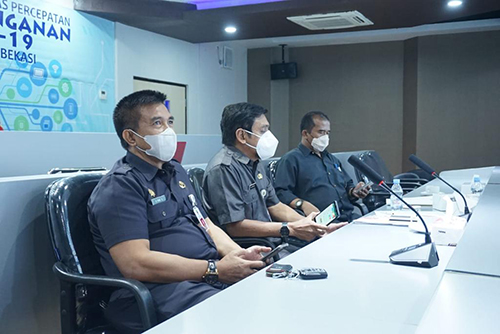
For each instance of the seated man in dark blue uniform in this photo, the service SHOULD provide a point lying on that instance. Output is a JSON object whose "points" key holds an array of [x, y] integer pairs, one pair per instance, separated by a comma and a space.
{"points": [[310, 179], [147, 224], [238, 194]]}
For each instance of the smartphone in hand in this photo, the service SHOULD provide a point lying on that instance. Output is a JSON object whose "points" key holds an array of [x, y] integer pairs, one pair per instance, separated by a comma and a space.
{"points": [[328, 215], [274, 252]]}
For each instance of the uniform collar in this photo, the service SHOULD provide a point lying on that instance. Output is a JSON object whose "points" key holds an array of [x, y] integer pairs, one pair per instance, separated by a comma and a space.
{"points": [[148, 170], [306, 151], [237, 154]]}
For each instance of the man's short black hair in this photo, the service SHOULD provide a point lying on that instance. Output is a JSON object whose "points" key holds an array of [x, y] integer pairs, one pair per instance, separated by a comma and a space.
{"points": [[239, 115], [307, 122], [128, 111]]}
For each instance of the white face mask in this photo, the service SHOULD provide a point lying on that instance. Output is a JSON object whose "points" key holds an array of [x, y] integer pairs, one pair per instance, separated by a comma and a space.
{"points": [[163, 145], [266, 146], [320, 143]]}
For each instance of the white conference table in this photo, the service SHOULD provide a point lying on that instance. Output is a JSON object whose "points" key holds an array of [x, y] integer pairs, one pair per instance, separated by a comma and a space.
{"points": [[359, 296], [363, 293], [479, 249], [464, 304]]}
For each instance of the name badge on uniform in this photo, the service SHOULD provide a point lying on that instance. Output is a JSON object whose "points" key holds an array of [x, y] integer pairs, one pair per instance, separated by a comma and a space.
{"points": [[158, 200], [197, 213]]}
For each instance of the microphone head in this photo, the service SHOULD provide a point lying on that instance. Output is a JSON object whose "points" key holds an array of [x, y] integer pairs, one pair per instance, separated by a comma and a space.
{"points": [[422, 165], [365, 169]]}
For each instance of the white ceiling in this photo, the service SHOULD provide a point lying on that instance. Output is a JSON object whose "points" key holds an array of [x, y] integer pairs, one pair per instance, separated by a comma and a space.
{"points": [[370, 36]]}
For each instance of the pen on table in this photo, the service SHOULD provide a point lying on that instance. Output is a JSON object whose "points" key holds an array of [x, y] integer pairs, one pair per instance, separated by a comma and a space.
{"points": [[401, 220]]}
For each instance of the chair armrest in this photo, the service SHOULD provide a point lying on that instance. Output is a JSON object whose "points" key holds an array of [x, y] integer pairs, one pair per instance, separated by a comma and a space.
{"points": [[250, 241], [141, 293], [361, 207]]}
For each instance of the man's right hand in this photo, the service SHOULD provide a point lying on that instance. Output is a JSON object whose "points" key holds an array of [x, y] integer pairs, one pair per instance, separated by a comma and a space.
{"points": [[234, 266], [307, 229]]}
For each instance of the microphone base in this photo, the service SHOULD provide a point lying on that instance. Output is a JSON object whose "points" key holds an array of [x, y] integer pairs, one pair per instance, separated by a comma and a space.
{"points": [[420, 255], [466, 215]]}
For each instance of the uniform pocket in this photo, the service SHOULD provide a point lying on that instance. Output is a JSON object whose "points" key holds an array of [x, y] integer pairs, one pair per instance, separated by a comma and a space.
{"points": [[251, 195], [162, 214], [250, 198]]}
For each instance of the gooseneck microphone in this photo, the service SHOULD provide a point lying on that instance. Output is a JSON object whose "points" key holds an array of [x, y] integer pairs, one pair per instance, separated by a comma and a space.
{"points": [[420, 255], [421, 164]]}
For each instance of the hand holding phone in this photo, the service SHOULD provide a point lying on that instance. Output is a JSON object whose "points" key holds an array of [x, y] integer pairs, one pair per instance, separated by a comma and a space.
{"points": [[274, 252], [328, 215], [364, 190], [367, 185]]}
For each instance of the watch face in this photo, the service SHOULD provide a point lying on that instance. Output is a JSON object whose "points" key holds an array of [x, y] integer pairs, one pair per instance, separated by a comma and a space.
{"points": [[284, 231], [211, 278], [298, 204]]}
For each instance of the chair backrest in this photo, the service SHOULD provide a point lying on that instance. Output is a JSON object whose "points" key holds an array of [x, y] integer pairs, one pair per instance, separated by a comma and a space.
{"points": [[69, 230], [270, 165], [346, 166], [373, 159], [66, 209], [196, 178]]}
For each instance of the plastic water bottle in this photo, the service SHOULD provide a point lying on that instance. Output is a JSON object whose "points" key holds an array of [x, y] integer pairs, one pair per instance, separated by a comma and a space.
{"points": [[476, 186], [396, 204]]}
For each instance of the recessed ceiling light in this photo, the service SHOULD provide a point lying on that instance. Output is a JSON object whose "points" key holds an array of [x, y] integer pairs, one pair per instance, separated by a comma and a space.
{"points": [[230, 30], [454, 3]]}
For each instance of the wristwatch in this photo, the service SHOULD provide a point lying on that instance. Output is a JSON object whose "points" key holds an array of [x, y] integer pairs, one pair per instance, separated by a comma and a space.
{"points": [[298, 204], [285, 232], [212, 274]]}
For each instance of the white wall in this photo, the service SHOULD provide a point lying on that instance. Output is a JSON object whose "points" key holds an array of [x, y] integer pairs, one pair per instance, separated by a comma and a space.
{"points": [[210, 87]]}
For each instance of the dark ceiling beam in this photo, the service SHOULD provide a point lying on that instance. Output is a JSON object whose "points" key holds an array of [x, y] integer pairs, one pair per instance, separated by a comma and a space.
{"points": [[147, 8], [183, 21]]}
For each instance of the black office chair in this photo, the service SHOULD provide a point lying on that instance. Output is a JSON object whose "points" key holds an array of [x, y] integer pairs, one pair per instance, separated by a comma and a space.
{"points": [[84, 287], [270, 165], [196, 178], [195, 175], [65, 170], [351, 172], [376, 199]]}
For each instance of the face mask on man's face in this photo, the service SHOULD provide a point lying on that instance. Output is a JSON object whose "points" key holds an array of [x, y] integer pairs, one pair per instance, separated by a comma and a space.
{"points": [[163, 145], [266, 146], [320, 143]]}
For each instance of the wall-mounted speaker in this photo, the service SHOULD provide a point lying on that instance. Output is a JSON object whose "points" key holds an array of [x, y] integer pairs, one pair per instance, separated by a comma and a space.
{"points": [[283, 71]]}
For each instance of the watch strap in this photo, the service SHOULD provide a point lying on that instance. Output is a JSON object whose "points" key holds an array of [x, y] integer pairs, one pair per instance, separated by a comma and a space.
{"points": [[212, 274]]}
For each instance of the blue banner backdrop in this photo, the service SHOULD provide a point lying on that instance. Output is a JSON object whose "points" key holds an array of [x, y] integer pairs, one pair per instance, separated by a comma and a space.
{"points": [[57, 69]]}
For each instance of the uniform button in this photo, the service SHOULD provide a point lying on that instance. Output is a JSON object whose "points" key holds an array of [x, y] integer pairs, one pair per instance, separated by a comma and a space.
{"points": [[163, 213], [329, 173]]}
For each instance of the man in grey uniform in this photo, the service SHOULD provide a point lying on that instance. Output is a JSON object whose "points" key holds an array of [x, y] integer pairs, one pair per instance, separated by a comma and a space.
{"points": [[237, 193], [145, 223]]}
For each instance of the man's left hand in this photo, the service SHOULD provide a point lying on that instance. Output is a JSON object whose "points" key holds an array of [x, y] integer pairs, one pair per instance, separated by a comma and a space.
{"points": [[361, 192], [335, 226]]}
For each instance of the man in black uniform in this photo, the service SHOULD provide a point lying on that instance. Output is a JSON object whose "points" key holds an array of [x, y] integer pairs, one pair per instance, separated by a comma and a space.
{"points": [[238, 195], [310, 179], [148, 225]]}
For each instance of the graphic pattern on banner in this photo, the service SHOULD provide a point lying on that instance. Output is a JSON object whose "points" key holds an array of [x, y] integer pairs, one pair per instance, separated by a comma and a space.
{"points": [[54, 63]]}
